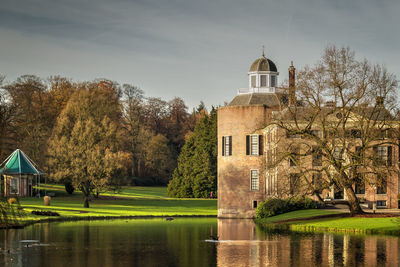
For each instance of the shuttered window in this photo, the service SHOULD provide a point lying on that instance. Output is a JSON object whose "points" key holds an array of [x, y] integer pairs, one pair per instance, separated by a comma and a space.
{"points": [[254, 145]]}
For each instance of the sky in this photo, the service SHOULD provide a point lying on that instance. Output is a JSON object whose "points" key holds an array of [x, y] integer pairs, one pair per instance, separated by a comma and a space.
{"points": [[199, 50]]}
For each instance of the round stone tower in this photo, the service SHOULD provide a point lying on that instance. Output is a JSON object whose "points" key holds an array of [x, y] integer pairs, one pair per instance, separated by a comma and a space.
{"points": [[241, 163]]}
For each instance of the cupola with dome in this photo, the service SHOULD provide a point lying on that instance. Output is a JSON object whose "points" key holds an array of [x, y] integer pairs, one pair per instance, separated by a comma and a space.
{"points": [[263, 76]]}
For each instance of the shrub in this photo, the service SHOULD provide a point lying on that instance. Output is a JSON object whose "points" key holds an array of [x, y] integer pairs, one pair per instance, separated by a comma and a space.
{"points": [[271, 207], [12, 200], [69, 188], [275, 206]]}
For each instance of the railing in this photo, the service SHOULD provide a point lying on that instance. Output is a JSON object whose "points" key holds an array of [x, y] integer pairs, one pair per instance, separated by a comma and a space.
{"points": [[259, 90]]}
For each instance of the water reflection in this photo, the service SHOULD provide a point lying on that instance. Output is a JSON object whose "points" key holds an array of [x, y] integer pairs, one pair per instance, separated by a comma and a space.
{"points": [[243, 244], [151, 242], [181, 242]]}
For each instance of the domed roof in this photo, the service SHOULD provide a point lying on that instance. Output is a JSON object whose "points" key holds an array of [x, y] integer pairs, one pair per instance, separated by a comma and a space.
{"points": [[263, 64]]}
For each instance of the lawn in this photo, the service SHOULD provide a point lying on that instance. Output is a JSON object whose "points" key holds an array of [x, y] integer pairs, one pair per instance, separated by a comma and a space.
{"points": [[129, 202], [302, 221]]}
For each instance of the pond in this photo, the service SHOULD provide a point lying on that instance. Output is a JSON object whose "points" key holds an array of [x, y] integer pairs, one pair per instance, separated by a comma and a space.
{"points": [[182, 242]]}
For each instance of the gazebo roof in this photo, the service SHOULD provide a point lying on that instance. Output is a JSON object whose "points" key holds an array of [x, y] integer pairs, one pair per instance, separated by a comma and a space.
{"points": [[19, 163]]}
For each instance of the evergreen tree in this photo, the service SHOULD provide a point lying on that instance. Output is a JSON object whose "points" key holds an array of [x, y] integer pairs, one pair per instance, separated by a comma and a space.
{"points": [[196, 173]]}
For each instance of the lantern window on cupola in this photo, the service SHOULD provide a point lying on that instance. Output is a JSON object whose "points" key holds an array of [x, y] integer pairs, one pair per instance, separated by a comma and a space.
{"points": [[263, 77]]}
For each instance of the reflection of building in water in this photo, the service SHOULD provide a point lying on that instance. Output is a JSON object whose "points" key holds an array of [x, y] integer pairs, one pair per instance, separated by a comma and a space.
{"points": [[243, 244]]}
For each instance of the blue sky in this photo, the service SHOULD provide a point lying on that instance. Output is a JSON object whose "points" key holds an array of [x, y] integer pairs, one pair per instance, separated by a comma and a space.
{"points": [[197, 50]]}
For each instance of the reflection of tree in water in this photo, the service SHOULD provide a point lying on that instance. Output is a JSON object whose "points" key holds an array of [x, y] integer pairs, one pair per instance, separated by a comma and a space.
{"points": [[10, 214]]}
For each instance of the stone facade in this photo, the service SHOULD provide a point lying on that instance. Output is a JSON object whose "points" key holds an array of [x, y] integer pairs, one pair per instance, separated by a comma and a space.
{"points": [[235, 197], [243, 177], [246, 116]]}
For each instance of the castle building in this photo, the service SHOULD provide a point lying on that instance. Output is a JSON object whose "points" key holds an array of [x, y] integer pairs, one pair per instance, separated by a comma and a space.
{"points": [[241, 162], [246, 140]]}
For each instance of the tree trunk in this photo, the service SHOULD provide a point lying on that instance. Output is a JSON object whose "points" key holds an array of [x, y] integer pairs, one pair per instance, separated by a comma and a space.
{"points": [[320, 200], [86, 202], [354, 203]]}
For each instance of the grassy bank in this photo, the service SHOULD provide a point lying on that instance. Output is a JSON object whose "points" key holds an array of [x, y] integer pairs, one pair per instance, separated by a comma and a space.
{"points": [[129, 202], [323, 220]]}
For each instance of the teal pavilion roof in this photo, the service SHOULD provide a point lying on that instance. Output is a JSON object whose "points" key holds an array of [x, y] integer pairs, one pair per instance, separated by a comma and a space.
{"points": [[18, 163]]}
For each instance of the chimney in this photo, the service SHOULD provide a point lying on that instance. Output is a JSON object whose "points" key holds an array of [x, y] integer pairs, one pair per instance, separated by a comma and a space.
{"points": [[379, 100], [292, 85]]}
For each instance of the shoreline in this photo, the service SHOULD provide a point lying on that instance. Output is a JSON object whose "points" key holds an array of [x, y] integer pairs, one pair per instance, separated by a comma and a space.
{"points": [[378, 224], [99, 218]]}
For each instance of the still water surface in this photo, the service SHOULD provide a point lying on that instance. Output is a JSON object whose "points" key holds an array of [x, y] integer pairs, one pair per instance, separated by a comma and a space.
{"points": [[182, 242]]}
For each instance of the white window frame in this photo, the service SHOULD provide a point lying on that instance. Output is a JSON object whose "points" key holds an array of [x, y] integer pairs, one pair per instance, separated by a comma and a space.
{"points": [[11, 185], [254, 152], [382, 153], [273, 79], [227, 145], [261, 80], [251, 81], [256, 186]]}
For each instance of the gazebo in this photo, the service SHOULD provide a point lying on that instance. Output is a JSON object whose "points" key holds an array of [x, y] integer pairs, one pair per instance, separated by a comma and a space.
{"points": [[18, 172]]}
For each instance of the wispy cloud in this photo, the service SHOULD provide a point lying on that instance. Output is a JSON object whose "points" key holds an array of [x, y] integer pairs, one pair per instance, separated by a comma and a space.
{"points": [[193, 49]]}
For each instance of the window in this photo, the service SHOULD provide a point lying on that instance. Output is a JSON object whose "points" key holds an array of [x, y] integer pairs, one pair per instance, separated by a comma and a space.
{"points": [[227, 146], [292, 135], [294, 183], [317, 181], [381, 203], [359, 185], [357, 156], [273, 81], [254, 183], [317, 133], [254, 145], [253, 81], [355, 133], [255, 204], [14, 185], [337, 153], [383, 155], [263, 81], [293, 157], [382, 134], [316, 156], [381, 186], [271, 183]]}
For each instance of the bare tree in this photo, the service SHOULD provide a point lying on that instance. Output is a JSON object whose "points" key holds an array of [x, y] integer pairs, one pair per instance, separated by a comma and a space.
{"points": [[340, 131]]}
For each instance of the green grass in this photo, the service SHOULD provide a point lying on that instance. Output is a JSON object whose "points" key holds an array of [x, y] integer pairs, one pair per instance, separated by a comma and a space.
{"points": [[389, 225], [299, 214], [130, 201]]}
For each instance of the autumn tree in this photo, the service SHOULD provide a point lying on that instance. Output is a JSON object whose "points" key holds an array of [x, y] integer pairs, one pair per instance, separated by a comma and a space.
{"points": [[343, 116], [160, 159], [28, 95], [84, 146], [135, 130], [6, 119], [178, 124]]}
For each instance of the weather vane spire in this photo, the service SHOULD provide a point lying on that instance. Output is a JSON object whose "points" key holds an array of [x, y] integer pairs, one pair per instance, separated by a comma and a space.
{"points": [[263, 51]]}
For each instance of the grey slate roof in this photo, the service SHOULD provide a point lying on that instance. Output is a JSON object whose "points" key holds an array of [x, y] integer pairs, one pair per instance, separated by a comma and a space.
{"points": [[270, 100]]}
